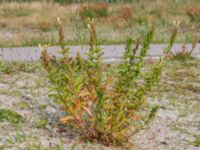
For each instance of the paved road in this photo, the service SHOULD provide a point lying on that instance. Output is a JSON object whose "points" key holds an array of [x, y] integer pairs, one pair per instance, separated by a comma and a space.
{"points": [[111, 52]]}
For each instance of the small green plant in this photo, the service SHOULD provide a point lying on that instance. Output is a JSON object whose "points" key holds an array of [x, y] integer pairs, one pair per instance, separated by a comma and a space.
{"points": [[42, 123], [196, 142], [22, 105], [101, 106], [10, 116]]}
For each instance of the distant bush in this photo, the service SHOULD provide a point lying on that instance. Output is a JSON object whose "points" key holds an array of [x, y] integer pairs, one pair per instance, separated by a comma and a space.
{"points": [[125, 12], [44, 25], [123, 18], [104, 106], [194, 13], [93, 10]]}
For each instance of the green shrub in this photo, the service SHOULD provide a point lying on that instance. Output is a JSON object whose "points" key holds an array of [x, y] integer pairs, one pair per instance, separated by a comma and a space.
{"points": [[104, 105]]}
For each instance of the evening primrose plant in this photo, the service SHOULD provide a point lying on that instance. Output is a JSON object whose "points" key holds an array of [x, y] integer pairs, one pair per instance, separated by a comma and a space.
{"points": [[103, 105]]}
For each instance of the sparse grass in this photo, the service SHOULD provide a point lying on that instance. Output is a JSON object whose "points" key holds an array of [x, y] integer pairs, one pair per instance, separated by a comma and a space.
{"points": [[10, 116], [22, 105], [182, 77], [185, 54], [196, 142], [8, 67], [23, 24], [182, 56], [42, 123]]}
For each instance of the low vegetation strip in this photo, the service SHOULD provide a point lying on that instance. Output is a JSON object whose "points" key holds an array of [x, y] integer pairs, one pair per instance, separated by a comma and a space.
{"points": [[30, 23]]}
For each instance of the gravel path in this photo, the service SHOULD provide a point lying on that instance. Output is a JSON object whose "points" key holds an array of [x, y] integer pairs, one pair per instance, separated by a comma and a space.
{"points": [[111, 52]]}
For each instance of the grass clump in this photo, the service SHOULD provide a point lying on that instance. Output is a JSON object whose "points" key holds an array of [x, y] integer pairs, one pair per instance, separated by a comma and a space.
{"points": [[196, 142], [101, 106], [22, 105], [10, 116], [185, 54], [42, 123]]}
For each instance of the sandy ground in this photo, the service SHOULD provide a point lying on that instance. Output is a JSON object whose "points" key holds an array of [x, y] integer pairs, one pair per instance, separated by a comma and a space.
{"points": [[175, 127]]}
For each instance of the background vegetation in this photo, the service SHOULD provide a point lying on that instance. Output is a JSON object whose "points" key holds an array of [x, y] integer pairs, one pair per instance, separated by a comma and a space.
{"points": [[28, 24], [70, 1]]}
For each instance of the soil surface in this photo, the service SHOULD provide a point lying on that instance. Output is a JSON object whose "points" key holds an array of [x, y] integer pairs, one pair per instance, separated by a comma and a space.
{"points": [[26, 91]]}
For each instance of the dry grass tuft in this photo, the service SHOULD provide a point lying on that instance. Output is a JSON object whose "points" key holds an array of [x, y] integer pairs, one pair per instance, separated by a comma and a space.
{"points": [[93, 10], [194, 13], [33, 15], [125, 12]]}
